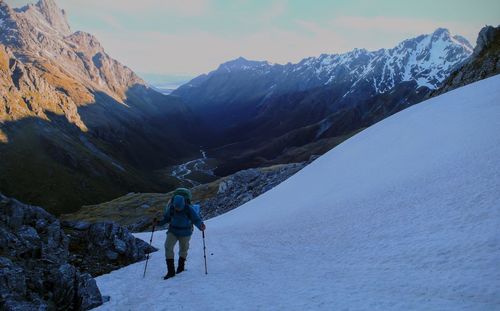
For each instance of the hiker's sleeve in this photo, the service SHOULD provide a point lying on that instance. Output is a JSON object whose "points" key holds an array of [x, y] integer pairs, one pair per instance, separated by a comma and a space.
{"points": [[195, 218], [166, 217]]}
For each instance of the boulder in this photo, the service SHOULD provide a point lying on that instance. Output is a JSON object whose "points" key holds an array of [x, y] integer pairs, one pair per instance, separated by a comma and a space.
{"points": [[244, 186], [35, 272], [104, 246]]}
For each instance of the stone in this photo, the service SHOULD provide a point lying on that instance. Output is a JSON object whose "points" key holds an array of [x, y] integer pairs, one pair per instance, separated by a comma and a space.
{"points": [[28, 233], [111, 255], [63, 280], [35, 273], [11, 278], [77, 225], [120, 246], [41, 224], [104, 247], [90, 296]]}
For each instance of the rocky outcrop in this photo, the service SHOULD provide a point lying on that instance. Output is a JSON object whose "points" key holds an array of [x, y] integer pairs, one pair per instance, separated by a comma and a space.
{"points": [[244, 186], [25, 92], [483, 63], [40, 35], [103, 247], [35, 273], [488, 37]]}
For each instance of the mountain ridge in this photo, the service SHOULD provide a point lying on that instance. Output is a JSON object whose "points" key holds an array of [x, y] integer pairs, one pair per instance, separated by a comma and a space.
{"points": [[323, 68]]}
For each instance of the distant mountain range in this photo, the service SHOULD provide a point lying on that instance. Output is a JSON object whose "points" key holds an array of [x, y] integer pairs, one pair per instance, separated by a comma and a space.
{"points": [[426, 60], [265, 113]]}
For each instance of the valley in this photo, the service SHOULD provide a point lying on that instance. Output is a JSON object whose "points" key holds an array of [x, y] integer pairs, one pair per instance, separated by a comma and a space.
{"points": [[255, 112], [194, 172], [377, 168]]}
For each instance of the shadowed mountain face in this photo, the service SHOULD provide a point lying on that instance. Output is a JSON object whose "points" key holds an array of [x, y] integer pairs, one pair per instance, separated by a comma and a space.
{"points": [[76, 126], [262, 113]]}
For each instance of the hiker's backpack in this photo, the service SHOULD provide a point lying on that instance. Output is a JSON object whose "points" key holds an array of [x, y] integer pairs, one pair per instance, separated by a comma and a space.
{"points": [[183, 196], [186, 193]]}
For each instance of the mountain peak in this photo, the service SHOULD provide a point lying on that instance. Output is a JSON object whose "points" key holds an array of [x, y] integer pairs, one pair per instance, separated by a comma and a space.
{"points": [[242, 63], [444, 34], [239, 61], [440, 31], [55, 16]]}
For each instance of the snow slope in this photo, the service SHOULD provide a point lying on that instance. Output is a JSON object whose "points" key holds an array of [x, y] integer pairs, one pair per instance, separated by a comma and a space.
{"points": [[403, 216]]}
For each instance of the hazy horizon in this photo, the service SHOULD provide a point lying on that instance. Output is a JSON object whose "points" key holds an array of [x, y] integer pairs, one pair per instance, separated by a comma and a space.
{"points": [[189, 38]]}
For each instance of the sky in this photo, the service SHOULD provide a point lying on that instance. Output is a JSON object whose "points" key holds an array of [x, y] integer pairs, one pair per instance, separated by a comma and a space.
{"points": [[191, 37]]}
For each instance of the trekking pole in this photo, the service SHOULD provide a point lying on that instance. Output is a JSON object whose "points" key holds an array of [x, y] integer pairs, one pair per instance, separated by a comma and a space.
{"points": [[204, 251], [150, 242]]}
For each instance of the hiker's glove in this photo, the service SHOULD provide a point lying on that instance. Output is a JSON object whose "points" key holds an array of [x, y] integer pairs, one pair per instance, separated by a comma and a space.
{"points": [[203, 227]]}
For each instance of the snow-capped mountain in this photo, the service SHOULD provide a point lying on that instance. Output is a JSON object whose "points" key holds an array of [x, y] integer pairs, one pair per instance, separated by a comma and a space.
{"points": [[484, 62], [402, 216], [261, 112], [426, 59]]}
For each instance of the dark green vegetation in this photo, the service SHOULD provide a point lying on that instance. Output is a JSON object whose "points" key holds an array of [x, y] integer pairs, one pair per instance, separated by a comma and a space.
{"points": [[57, 165]]}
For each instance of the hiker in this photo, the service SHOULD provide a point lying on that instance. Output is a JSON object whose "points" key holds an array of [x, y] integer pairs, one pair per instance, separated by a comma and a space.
{"points": [[181, 216]]}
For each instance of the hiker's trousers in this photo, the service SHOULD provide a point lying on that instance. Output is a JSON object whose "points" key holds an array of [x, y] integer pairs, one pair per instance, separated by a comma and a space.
{"points": [[170, 244]]}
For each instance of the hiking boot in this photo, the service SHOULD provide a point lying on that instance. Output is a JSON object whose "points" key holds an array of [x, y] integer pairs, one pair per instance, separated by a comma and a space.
{"points": [[180, 267], [170, 269]]}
